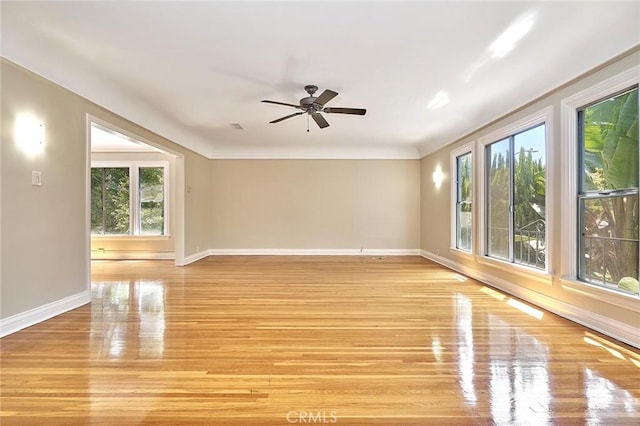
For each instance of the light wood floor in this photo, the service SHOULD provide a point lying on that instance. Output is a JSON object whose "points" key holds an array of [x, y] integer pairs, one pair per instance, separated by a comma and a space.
{"points": [[310, 340]]}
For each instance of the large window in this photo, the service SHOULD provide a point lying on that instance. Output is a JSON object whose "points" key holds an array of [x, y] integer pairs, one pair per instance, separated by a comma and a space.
{"points": [[463, 201], [515, 188], [608, 192], [128, 199]]}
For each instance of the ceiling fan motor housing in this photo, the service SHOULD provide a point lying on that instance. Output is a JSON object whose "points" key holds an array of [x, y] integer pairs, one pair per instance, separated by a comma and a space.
{"points": [[308, 104]]}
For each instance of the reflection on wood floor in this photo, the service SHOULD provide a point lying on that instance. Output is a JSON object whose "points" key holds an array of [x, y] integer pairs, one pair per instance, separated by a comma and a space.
{"points": [[311, 340]]}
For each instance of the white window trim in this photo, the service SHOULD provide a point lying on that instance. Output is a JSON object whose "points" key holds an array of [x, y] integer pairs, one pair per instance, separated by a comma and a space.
{"points": [[134, 223], [601, 293], [468, 148], [569, 152], [529, 272], [545, 116]]}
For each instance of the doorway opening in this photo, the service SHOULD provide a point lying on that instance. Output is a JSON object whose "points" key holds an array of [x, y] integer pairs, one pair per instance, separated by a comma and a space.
{"points": [[135, 196]]}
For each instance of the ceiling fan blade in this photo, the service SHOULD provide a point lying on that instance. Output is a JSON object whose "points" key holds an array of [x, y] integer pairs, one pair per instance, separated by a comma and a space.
{"points": [[354, 111], [285, 117], [325, 97], [319, 119], [280, 103]]}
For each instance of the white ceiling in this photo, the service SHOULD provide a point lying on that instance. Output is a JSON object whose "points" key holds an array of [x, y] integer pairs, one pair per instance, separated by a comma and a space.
{"points": [[187, 70]]}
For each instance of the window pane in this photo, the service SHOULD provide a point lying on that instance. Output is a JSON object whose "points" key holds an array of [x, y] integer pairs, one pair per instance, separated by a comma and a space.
{"points": [[609, 241], [529, 197], [498, 154], [116, 201], [151, 200], [110, 201], [463, 213], [464, 226], [97, 225], [610, 143], [464, 177]]}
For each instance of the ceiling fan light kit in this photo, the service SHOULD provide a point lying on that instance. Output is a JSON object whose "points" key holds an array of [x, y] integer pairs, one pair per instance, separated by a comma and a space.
{"points": [[313, 106]]}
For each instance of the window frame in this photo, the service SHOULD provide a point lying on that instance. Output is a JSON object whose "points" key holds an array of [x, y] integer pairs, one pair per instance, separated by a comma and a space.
{"points": [[541, 116], [510, 226], [134, 198], [570, 185], [468, 148], [582, 198], [583, 195]]}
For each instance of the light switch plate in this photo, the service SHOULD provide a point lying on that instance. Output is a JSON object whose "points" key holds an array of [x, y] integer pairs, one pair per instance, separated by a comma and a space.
{"points": [[36, 178]]}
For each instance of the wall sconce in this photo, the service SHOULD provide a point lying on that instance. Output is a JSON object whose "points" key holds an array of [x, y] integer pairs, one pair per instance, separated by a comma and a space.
{"points": [[438, 176], [29, 134]]}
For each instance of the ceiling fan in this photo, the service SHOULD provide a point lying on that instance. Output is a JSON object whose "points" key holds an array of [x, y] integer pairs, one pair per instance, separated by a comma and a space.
{"points": [[313, 106]]}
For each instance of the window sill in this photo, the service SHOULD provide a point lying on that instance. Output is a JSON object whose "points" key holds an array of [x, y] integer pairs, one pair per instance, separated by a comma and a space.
{"points": [[130, 237], [612, 297], [542, 277], [462, 253]]}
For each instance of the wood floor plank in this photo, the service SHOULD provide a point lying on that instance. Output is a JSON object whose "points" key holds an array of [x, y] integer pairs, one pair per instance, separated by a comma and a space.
{"points": [[300, 340]]}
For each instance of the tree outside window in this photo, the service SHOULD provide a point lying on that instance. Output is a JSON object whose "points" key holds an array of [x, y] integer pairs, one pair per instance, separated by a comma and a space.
{"points": [[151, 184], [464, 218], [110, 213]]}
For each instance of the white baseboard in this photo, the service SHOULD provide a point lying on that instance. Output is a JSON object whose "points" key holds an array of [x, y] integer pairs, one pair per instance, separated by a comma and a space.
{"points": [[42, 313], [299, 252], [194, 257], [314, 252], [132, 255], [605, 325], [441, 260]]}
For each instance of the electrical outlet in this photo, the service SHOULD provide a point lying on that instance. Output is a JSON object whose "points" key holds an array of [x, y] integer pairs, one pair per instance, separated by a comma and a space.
{"points": [[437, 252]]}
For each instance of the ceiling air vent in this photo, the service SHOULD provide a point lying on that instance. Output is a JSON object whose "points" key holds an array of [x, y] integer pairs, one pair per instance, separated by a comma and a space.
{"points": [[237, 126]]}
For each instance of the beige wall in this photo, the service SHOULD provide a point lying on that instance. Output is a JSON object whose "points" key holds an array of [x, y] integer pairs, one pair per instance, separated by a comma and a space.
{"points": [[44, 238], [436, 222], [315, 204], [44, 249], [198, 205]]}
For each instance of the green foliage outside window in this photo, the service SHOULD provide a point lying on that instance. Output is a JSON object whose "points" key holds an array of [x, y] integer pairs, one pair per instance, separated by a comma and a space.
{"points": [[516, 205], [529, 199], [111, 209], [110, 201], [151, 200], [464, 202], [499, 199], [609, 204]]}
